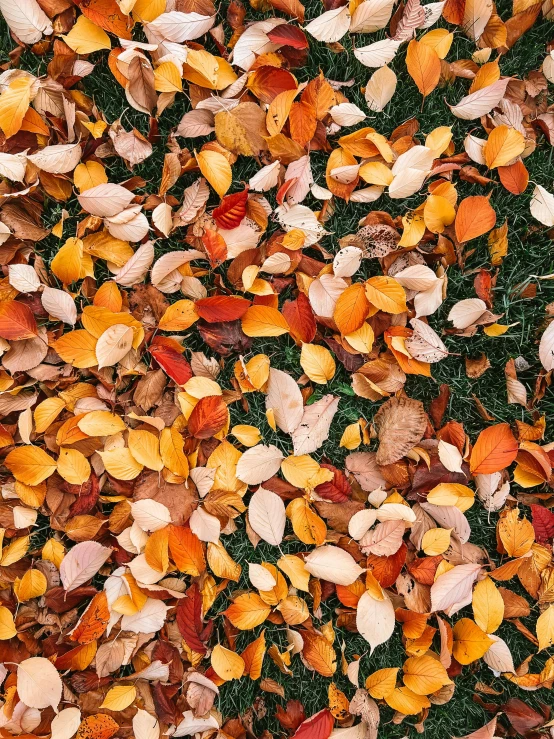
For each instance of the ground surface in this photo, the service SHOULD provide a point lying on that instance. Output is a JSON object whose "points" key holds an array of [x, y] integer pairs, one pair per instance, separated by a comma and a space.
{"points": [[530, 253]]}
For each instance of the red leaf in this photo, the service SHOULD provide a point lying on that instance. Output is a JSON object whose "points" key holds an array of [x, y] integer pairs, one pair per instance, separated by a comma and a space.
{"points": [[292, 717], [215, 245], [222, 308], [522, 717], [423, 569], [338, 489], [386, 569], [173, 364], [318, 726], [189, 619], [483, 286], [543, 523], [267, 82], [288, 36], [231, 210], [301, 319], [17, 321], [208, 417]]}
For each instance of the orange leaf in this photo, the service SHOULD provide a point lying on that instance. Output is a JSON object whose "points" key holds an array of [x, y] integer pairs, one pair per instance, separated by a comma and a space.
{"points": [[186, 551], [216, 247], [474, 218], [351, 308], [222, 308], [514, 177], [97, 726], [494, 450], [17, 321], [93, 621], [424, 66]]}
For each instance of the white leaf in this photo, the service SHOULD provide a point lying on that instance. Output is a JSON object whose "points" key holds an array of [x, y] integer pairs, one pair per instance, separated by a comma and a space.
{"points": [[474, 147], [266, 515], [314, 427], [481, 102], [66, 723], [380, 88], [323, 294], [23, 277], [12, 166], [371, 16], [191, 725], [466, 312], [197, 122], [433, 12], [428, 301], [333, 564], [301, 171], [150, 515], [454, 588], [148, 620], [375, 619], [129, 225], [450, 456], [542, 206], [253, 42], [395, 512], [26, 19], [82, 562], [162, 218], [347, 114], [492, 492], [60, 305], [367, 194], [361, 522], [301, 217], [105, 200], [377, 54], [39, 684], [166, 265], [407, 183], [113, 344], [205, 526], [364, 467], [259, 463], [145, 726], [180, 27], [284, 399], [417, 277], [266, 178], [194, 198], [260, 577], [57, 159], [135, 269], [418, 157], [425, 345], [385, 539], [449, 517], [347, 261], [331, 25], [476, 16], [498, 656]]}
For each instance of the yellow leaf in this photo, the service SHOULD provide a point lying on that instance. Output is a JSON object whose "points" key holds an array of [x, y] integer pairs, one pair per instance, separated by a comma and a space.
{"points": [[470, 642], [67, 263], [488, 606], [262, 320], [376, 173], [279, 110], [545, 628], [146, 11], [247, 435], [30, 464], [7, 625], [101, 423], [438, 213], [386, 294], [46, 413], [295, 570], [156, 550], [307, 525], [227, 664], [351, 437], [440, 40], [439, 139], [32, 585], [318, 363], [179, 316], [73, 466], [172, 454], [96, 129], [53, 551], [121, 464], [216, 169], [495, 329], [299, 470], [119, 697], [406, 701], [14, 102], [435, 541], [382, 683], [145, 448], [424, 66], [503, 146], [77, 348], [516, 534], [221, 563], [86, 37], [89, 174], [452, 494], [424, 675], [362, 339], [15, 551], [167, 78]]}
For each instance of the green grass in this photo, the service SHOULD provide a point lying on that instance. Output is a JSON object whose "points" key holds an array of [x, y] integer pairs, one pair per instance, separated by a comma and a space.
{"points": [[530, 253]]}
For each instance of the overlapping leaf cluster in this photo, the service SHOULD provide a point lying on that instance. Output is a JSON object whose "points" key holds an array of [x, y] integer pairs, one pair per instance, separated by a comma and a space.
{"points": [[124, 361]]}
